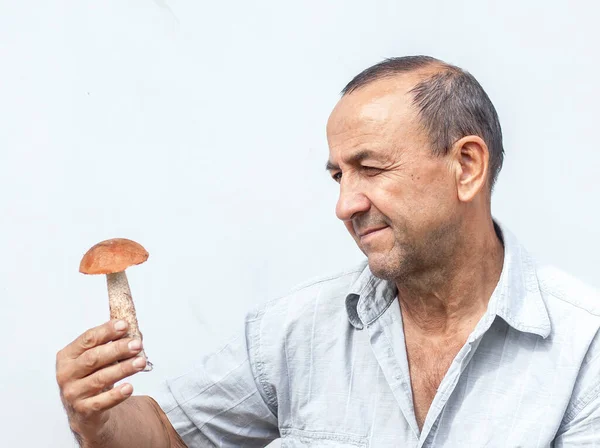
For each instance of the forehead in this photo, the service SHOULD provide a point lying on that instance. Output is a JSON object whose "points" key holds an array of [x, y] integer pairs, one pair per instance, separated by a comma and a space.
{"points": [[382, 107]]}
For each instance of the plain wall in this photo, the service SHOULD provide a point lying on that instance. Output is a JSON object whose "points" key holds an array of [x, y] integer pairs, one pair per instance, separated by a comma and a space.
{"points": [[198, 130]]}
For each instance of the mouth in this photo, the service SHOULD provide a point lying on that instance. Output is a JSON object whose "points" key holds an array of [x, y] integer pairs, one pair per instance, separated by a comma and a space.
{"points": [[370, 232]]}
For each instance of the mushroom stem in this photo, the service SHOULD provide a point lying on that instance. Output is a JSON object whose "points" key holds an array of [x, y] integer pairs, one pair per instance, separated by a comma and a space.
{"points": [[122, 307]]}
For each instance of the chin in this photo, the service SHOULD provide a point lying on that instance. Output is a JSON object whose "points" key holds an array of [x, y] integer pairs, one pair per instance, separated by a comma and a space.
{"points": [[385, 267]]}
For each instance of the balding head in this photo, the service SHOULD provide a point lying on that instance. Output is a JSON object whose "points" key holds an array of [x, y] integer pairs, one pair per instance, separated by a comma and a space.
{"points": [[451, 104], [413, 164]]}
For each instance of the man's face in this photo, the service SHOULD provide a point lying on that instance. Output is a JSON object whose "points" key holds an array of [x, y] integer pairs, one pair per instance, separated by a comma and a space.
{"points": [[397, 200]]}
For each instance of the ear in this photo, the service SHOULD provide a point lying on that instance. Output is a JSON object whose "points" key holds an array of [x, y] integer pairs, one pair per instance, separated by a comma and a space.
{"points": [[472, 156]]}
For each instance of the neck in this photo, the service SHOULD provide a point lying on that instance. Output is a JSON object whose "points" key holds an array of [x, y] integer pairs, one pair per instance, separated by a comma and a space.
{"points": [[451, 298]]}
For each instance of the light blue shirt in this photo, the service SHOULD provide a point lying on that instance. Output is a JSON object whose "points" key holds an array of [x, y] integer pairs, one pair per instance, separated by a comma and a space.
{"points": [[326, 366]]}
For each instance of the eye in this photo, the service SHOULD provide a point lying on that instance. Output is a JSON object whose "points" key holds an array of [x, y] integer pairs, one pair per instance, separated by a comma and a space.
{"points": [[371, 170], [337, 177]]}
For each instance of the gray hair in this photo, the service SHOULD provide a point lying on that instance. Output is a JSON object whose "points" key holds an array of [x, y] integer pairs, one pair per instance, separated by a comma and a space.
{"points": [[451, 104]]}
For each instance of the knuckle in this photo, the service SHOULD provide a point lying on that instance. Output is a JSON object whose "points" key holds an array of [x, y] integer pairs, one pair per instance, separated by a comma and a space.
{"points": [[98, 381], [89, 360], [88, 339], [95, 406], [61, 377], [69, 395]]}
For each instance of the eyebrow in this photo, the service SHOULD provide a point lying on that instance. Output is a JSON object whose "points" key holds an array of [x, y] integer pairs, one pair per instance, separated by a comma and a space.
{"points": [[354, 159]]}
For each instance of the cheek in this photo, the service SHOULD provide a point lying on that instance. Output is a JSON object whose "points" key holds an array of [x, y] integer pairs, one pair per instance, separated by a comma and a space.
{"points": [[407, 205], [392, 199], [432, 203]]}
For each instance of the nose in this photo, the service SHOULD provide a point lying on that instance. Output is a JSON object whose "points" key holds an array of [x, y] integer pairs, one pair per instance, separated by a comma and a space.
{"points": [[351, 202]]}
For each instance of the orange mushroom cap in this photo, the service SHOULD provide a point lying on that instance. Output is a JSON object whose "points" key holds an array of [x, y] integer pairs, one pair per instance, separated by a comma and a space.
{"points": [[111, 256]]}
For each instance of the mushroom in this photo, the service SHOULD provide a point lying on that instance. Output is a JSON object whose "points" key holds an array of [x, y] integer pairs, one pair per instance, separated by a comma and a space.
{"points": [[112, 257]]}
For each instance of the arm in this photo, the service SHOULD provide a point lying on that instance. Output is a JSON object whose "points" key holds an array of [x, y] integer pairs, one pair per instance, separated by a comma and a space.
{"points": [[581, 425], [137, 422], [222, 402], [584, 429], [225, 399]]}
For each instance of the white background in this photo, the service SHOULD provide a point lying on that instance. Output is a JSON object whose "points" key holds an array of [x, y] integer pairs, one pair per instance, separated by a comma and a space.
{"points": [[198, 129]]}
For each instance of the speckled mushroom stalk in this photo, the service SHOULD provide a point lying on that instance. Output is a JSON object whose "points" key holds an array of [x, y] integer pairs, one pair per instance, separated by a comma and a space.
{"points": [[112, 257], [121, 306]]}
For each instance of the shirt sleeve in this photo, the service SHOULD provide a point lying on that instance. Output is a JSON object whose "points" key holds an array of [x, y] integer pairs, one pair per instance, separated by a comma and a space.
{"points": [[221, 401], [581, 427], [583, 430]]}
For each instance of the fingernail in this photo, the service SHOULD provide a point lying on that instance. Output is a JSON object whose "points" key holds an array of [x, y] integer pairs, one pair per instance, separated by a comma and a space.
{"points": [[134, 345], [127, 389], [120, 325], [139, 362]]}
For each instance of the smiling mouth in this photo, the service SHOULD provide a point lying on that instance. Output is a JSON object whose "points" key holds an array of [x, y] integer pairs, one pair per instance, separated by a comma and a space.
{"points": [[371, 232]]}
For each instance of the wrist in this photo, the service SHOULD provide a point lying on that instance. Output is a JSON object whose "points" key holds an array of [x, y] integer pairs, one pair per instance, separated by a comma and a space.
{"points": [[98, 437]]}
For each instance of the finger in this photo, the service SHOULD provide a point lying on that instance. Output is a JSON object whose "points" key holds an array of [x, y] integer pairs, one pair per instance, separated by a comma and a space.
{"points": [[106, 400], [105, 355], [109, 331], [95, 383]]}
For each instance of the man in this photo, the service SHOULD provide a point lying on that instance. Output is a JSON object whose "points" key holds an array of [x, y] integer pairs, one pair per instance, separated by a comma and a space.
{"points": [[448, 335]]}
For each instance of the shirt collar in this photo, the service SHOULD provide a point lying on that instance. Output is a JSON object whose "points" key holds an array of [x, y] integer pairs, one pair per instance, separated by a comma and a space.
{"points": [[516, 299]]}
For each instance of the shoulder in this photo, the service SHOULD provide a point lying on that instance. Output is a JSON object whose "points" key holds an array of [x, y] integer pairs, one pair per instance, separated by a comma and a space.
{"points": [[310, 310], [327, 292], [574, 309], [562, 290], [283, 329]]}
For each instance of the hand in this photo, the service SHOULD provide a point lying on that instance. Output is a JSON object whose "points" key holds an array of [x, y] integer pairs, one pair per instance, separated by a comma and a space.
{"points": [[86, 371]]}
